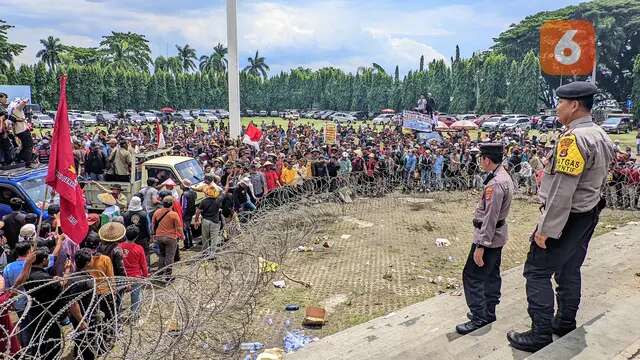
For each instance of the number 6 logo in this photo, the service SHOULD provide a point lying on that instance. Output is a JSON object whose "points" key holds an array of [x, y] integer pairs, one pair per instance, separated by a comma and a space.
{"points": [[567, 47]]}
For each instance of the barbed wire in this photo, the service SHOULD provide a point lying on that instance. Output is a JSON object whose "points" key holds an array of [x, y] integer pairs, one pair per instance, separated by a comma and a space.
{"points": [[205, 312]]}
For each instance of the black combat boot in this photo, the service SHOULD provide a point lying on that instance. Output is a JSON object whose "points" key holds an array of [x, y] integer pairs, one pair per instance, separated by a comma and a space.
{"points": [[562, 327], [529, 341]]}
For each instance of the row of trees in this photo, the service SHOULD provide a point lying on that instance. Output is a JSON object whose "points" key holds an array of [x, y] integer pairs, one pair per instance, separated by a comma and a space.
{"points": [[484, 82]]}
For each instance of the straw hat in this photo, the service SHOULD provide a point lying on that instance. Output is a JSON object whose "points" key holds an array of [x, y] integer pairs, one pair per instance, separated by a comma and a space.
{"points": [[186, 183], [107, 199], [112, 232], [28, 230], [267, 163]]}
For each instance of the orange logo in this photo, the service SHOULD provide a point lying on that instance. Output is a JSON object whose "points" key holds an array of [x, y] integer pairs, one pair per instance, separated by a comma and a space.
{"points": [[567, 47]]}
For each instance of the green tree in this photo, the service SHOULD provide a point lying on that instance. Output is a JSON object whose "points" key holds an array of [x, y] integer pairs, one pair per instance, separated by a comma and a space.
{"points": [[187, 57], [492, 84], [50, 54], [529, 83], [257, 67], [7, 50], [127, 51], [438, 75], [513, 87], [635, 93]]}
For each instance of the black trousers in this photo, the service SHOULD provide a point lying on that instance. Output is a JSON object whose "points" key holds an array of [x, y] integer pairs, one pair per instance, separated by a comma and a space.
{"points": [[26, 153], [188, 235], [561, 259], [482, 284]]}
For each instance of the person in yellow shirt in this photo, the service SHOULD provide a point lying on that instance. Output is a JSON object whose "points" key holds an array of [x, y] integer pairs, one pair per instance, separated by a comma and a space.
{"points": [[289, 175]]}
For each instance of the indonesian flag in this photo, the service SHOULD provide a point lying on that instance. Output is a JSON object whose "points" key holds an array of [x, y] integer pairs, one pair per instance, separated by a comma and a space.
{"points": [[252, 136], [160, 135], [62, 176]]}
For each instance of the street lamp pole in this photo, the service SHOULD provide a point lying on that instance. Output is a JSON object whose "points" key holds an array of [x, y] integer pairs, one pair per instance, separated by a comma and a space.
{"points": [[233, 72]]}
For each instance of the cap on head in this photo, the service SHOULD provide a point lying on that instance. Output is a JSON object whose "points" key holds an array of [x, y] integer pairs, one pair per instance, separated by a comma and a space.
{"points": [[576, 90]]}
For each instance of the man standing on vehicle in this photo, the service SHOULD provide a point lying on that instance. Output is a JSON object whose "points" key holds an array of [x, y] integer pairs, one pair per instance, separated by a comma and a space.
{"points": [[121, 159], [571, 203], [481, 274]]}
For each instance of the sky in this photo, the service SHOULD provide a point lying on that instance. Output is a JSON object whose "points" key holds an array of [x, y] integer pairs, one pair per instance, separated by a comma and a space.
{"points": [[288, 33]]}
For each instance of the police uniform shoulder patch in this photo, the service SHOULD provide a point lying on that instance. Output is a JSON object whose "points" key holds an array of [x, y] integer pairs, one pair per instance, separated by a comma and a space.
{"points": [[568, 157], [488, 193]]}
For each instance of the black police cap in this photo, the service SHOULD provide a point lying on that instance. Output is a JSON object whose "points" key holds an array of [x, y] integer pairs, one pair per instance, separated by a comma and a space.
{"points": [[576, 90], [491, 149]]}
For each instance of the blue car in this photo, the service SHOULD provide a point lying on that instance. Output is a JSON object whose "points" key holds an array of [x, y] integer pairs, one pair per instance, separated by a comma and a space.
{"points": [[24, 183]]}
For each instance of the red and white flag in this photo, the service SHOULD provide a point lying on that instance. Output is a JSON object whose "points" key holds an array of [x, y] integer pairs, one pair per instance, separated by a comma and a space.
{"points": [[252, 136], [62, 175], [160, 135]]}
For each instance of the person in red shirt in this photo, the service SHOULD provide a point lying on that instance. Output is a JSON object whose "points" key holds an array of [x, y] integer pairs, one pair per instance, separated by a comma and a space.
{"points": [[135, 265], [271, 176]]}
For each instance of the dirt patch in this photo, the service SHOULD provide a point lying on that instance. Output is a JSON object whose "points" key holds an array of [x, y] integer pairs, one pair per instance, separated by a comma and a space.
{"points": [[394, 262]]}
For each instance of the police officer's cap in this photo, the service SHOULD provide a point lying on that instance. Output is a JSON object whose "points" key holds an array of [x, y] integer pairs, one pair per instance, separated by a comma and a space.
{"points": [[496, 149], [576, 90]]}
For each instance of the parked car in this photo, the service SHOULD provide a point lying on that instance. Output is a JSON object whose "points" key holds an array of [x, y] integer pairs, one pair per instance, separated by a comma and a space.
{"points": [[549, 122], [292, 115], [75, 120], [382, 119], [360, 115], [263, 113], [183, 116], [42, 120], [136, 119], [512, 123], [493, 123], [327, 115], [104, 118], [149, 117], [469, 117], [617, 125], [273, 113], [318, 114], [89, 120], [341, 117], [221, 113], [483, 118], [250, 112]]}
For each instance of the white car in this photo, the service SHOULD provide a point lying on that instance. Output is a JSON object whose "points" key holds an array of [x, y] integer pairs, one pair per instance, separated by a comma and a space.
{"points": [[208, 117], [88, 119], [512, 123], [341, 117], [149, 116], [383, 119], [292, 115], [493, 123], [42, 120]]}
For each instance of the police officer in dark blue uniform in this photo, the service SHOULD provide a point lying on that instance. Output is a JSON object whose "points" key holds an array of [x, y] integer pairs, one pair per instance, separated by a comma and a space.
{"points": [[571, 196]]}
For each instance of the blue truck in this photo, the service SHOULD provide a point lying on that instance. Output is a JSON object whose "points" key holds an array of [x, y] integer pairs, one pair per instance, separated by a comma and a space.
{"points": [[26, 184]]}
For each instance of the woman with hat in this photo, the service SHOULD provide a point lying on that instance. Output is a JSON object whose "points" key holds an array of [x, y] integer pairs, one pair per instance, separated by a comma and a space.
{"points": [[271, 176]]}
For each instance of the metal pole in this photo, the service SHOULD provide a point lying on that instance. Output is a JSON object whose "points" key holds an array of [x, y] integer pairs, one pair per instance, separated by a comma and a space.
{"points": [[233, 70]]}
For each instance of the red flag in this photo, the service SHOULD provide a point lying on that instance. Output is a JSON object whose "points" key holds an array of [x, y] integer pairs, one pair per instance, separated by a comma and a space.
{"points": [[252, 136], [62, 176]]}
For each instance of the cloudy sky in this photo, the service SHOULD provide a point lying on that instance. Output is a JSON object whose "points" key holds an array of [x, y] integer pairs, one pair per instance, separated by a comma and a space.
{"points": [[289, 33]]}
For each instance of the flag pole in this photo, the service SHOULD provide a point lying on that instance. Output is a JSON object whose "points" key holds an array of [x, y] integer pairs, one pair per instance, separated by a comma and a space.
{"points": [[44, 201]]}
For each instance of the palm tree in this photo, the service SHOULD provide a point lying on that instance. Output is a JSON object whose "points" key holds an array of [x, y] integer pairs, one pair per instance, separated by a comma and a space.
{"points": [[215, 62], [175, 64], [187, 54], [257, 66], [50, 55]]}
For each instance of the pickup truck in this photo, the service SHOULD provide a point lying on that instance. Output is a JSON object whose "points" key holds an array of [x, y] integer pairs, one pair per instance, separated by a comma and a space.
{"points": [[158, 164], [27, 184]]}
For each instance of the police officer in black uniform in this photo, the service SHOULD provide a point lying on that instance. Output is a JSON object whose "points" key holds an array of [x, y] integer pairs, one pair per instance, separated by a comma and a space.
{"points": [[571, 196], [481, 274]]}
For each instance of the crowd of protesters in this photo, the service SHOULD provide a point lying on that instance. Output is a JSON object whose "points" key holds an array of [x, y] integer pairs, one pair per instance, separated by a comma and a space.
{"points": [[239, 178]]}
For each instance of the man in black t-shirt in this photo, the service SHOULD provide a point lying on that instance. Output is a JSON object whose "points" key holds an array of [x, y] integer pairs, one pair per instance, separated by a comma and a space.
{"points": [[208, 215]]}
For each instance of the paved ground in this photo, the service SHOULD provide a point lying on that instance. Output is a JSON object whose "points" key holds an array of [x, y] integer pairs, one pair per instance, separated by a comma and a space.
{"points": [[425, 330]]}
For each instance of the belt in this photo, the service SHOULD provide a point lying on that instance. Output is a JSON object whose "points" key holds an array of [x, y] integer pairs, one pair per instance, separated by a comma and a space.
{"points": [[478, 224]]}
